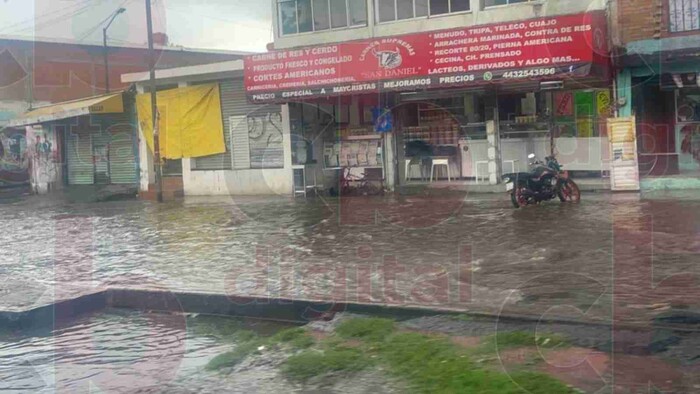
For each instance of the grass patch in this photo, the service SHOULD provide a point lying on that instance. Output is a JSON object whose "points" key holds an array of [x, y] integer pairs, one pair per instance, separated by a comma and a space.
{"points": [[426, 363], [511, 339], [432, 364], [462, 317], [248, 343], [369, 329], [309, 363], [296, 337]]}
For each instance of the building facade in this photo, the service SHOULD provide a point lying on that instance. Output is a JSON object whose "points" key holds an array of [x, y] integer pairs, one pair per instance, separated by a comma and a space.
{"points": [[397, 90], [38, 74], [257, 157], [656, 53]]}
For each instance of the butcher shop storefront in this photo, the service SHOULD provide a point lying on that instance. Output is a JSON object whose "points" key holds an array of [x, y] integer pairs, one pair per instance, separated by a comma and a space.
{"points": [[460, 105]]}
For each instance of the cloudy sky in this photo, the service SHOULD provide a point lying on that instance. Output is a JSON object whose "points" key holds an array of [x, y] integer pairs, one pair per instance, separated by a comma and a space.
{"points": [[216, 24]]}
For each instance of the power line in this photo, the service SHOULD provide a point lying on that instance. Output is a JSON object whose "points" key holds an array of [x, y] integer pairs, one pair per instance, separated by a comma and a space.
{"points": [[35, 19], [93, 29], [59, 18]]}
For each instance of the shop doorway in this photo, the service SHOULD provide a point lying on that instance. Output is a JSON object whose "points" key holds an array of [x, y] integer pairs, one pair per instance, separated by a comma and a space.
{"points": [[100, 153], [654, 109]]}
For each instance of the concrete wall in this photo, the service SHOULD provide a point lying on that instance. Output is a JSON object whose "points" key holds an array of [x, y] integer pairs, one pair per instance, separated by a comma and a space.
{"points": [[226, 182], [638, 20], [477, 16], [237, 182]]}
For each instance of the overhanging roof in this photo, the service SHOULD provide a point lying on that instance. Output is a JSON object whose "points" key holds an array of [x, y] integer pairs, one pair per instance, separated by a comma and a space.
{"points": [[230, 67], [105, 104]]}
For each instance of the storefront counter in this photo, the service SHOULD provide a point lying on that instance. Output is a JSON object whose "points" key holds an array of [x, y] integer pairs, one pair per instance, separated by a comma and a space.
{"points": [[575, 154]]}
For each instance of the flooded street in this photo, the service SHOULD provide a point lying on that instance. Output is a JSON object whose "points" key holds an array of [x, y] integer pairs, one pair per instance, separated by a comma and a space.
{"points": [[474, 253], [117, 351], [613, 258]]}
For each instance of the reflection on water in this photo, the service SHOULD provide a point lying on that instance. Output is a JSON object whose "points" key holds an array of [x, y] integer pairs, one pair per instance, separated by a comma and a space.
{"points": [[474, 253], [117, 351]]}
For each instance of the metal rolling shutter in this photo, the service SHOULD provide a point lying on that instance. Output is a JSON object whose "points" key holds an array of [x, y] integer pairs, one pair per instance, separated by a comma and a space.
{"points": [[101, 164], [233, 103], [122, 160], [81, 170], [121, 131], [241, 147]]}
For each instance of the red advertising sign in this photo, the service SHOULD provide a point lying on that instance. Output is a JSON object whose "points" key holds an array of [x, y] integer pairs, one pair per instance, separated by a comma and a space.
{"points": [[538, 48]]}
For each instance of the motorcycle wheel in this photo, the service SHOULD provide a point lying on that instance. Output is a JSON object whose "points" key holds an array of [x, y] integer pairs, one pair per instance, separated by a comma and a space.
{"points": [[517, 197], [569, 192]]}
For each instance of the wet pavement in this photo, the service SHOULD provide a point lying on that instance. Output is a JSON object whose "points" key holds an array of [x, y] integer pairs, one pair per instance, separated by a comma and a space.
{"points": [[443, 250]]}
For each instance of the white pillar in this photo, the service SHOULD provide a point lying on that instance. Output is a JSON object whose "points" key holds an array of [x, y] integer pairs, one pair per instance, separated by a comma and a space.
{"points": [[390, 161], [147, 174], [287, 146], [494, 152]]}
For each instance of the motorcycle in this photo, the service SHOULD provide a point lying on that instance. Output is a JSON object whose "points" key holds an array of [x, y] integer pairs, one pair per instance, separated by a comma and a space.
{"points": [[544, 182]]}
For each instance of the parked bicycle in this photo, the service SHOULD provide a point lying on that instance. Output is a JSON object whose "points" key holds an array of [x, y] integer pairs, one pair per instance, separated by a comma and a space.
{"points": [[359, 185]]}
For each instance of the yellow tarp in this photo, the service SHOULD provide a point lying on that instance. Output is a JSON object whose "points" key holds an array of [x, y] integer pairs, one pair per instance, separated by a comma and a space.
{"points": [[189, 122]]}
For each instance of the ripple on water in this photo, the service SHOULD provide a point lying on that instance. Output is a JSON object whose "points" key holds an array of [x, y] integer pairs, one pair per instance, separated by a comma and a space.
{"points": [[117, 351]]}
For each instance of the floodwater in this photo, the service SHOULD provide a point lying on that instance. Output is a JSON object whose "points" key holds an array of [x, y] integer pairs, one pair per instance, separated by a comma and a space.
{"points": [[431, 249], [118, 351], [616, 258]]}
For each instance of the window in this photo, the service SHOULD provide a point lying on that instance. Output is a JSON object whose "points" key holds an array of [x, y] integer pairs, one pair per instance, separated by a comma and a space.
{"points": [[683, 15], [492, 3], [322, 19], [303, 16], [392, 10]]}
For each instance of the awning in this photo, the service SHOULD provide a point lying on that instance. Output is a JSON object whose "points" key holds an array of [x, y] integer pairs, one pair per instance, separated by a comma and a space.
{"points": [[105, 104]]}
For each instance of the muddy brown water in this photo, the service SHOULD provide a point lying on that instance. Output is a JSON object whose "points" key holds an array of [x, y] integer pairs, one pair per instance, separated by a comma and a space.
{"points": [[473, 253], [609, 258]]}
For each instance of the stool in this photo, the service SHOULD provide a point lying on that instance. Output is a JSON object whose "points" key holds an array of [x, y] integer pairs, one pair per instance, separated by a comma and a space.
{"points": [[440, 162], [410, 165], [476, 168]]}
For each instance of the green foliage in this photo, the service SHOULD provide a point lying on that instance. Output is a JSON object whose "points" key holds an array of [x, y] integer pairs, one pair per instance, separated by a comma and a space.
{"points": [[461, 317], [310, 363], [296, 337], [434, 365], [510, 339], [370, 329], [429, 364], [249, 343]]}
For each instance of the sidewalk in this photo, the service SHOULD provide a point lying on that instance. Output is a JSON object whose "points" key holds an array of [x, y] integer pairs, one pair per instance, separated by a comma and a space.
{"points": [[483, 187]]}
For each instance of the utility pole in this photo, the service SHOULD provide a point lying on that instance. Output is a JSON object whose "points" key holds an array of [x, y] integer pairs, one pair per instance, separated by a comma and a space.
{"points": [[106, 48], [154, 106]]}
